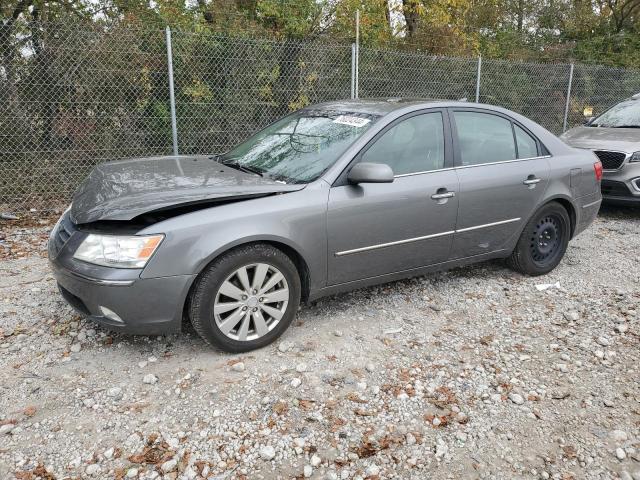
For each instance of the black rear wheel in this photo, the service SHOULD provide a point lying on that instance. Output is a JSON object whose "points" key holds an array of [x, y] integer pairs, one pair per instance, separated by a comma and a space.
{"points": [[543, 241]]}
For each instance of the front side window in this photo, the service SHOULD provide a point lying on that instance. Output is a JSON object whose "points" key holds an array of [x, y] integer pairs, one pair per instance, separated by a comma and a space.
{"points": [[623, 115], [411, 146], [300, 147], [484, 138]]}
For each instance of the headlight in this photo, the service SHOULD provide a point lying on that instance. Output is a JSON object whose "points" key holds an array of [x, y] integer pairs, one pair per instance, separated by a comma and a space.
{"points": [[635, 157], [129, 251]]}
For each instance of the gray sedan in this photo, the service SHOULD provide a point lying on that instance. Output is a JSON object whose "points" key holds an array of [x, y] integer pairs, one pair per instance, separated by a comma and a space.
{"points": [[330, 198]]}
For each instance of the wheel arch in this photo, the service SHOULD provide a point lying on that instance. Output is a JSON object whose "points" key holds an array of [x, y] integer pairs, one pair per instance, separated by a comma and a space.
{"points": [[569, 206], [286, 246]]}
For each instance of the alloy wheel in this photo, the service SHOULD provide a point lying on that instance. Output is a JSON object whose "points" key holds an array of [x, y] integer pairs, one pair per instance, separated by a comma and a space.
{"points": [[251, 302]]}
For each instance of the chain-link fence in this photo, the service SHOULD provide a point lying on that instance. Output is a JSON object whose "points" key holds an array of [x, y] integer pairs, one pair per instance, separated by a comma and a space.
{"points": [[73, 97]]}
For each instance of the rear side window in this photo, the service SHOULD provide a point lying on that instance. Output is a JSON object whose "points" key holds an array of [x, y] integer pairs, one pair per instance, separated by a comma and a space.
{"points": [[527, 145], [484, 138], [411, 146]]}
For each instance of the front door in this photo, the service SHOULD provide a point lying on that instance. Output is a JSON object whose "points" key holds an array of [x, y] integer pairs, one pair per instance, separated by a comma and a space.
{"points": [[502, 175], [375, 229]]}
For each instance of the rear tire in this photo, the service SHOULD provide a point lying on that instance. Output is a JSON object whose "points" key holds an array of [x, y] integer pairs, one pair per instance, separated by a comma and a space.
{"points": [[543, 241], [246, 298]]}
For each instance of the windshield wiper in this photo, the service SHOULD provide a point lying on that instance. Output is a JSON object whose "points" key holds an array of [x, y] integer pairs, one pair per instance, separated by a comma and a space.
{"points": [[244, 168], [626, 126]]}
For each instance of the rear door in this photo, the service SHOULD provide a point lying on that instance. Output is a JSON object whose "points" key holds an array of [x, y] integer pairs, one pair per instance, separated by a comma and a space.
{"points": [[375, 229], [503, 174]]}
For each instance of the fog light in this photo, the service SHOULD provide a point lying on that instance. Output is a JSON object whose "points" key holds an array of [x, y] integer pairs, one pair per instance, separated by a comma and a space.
{"points": [[110, 314]]}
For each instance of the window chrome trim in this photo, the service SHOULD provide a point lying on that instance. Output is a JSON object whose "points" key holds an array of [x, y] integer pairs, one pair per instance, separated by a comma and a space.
{"points": [[504, 161], [425, 237], [472, 166], [424, 172], [493, 224]]}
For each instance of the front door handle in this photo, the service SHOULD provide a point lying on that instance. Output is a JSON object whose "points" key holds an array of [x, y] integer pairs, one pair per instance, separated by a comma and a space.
{"points": [[442, 196]]}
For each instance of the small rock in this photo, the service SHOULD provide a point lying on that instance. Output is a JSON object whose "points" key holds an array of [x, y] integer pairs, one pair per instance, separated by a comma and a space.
{"points": [[92, 469], [603, 341], [301, 367], [238, 367], [618, 436], [370, 367], [284, 346], [620, 454], [296, 382], [169, 465], [267, 453], [132, 473], [338, 333], [315, 461], [308, 471], [75, 348], [114, 392], [572, 315], [516, 398], [150, 379], [372, 470], [621, 328], [6, 428]]}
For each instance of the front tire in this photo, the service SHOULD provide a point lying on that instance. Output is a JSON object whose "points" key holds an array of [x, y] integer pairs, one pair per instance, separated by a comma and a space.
{"points": [[246, 298], [543, 241]]}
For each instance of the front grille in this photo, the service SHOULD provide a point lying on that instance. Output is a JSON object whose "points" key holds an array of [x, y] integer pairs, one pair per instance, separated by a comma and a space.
{"points": [[611, 188], [63, 233], [610, 160]]}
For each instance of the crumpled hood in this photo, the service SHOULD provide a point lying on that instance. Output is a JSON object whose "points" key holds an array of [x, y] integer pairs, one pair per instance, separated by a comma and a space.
{"points": [[125, 189], [602, 138]]}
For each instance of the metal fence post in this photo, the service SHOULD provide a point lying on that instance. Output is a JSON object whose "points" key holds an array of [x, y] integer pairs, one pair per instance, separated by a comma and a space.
{"points": [[357, 60], [478, 78], [172, 97], [566, 105], [353, 71]]}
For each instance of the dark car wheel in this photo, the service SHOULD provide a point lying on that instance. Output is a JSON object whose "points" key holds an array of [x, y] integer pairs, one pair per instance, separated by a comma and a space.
{"points": [[246, 298], [543, 241]]}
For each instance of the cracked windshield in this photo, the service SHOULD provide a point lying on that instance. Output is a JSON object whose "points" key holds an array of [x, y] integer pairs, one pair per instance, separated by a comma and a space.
{"points": [[300, 147]]}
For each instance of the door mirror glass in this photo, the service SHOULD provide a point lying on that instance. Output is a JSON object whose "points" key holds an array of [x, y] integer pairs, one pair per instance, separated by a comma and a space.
{"points": [[366, 172]]}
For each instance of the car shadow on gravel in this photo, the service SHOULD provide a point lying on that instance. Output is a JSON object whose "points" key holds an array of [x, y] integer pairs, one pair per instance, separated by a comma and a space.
{"points": [[619, 212]]}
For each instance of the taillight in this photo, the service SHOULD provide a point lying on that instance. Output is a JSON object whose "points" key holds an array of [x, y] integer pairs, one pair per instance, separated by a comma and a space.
{"points": [[597, 168]]}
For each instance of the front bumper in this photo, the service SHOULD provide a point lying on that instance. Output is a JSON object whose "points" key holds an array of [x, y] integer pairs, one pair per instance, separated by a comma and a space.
{"points": [[620, 192], [622, 186], [142, 306]]}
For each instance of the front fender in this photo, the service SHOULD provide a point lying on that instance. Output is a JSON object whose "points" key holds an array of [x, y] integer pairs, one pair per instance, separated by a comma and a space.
{"points": [[296, 219]]}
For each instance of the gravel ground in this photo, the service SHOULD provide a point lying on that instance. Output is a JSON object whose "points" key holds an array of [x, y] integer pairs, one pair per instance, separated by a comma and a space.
{"points": [[472, 373]]}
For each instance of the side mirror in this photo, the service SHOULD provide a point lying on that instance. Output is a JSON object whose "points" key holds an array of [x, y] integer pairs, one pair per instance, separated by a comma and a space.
{"points": [[588, 120], [365, 172]]}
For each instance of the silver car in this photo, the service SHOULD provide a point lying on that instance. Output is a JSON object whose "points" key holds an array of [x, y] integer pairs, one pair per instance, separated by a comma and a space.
{"points": [[330, 198], [614, 137]]}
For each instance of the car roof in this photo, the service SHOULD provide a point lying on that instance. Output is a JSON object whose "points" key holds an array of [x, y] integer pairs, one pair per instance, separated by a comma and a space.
{"points": [[384, 106]]}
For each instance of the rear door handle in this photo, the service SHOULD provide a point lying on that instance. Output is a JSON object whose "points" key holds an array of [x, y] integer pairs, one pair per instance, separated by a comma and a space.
{"points": [[440, 196], [531, 181]]}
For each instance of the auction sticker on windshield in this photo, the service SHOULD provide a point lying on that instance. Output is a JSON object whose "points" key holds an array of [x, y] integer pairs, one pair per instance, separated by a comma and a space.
{"points": [[351, 120]]}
